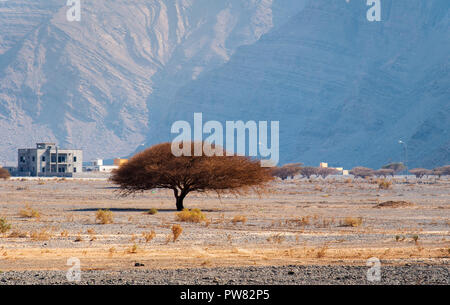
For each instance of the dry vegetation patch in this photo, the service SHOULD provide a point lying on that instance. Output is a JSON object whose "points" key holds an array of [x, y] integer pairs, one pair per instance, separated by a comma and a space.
{"points": [[4, 225], [352, 222], [29, 212], [104, 217], [194, 215], [394, 204]]}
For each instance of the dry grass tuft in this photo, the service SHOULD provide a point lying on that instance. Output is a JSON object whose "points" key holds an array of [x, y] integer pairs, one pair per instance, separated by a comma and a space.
{"points": [[176, 231], [29, 212], [17, 234], [133, 249], [41, 235], [276, 238], [148, 236], [194, 215], [64, 233], [104, 217], [239, 218], [4, 225], [322, 251], [384, 184], [352, 222]]}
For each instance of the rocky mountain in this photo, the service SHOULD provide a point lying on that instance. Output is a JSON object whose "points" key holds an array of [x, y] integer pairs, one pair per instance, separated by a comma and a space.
{"points": [[89, 84], [344, 89]]}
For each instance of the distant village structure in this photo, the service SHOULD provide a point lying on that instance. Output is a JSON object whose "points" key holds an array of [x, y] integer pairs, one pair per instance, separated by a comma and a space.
{"points": [[49, 160], [98, 166], [341, 170]]}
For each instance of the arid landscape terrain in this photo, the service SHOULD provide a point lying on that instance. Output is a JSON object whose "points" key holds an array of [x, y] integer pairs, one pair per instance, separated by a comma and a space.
{"points": [[299, 223]]}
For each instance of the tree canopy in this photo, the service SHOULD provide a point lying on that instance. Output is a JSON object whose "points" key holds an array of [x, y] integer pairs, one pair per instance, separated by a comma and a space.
{"points": [[157, 167]]}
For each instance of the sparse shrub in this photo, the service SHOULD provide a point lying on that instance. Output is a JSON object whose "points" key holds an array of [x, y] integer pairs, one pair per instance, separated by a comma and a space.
{"points": [[17, 234], [78, 238], [152, 211], [276, 238], [104, 216], [384, 184], [326, 171], [148, 236], [288, 170], [4, 174], [29, 212], [415, 238], [362, 172], [239, 218], [308, 171], [321, 252], [396, 167], [41, 235], [4, 225], [442, 171], [352, 222], [384, 172], [194, 215], [421, 172], [64, 233], [176, 231], [133, 249]]}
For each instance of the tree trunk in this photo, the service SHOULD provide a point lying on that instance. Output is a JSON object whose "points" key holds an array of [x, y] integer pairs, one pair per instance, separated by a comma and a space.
{"points": [[180, 203], [180, 197]]}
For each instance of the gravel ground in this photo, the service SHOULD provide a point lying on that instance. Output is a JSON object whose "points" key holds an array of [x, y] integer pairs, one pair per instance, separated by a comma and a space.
{"points": [[285, 275]]}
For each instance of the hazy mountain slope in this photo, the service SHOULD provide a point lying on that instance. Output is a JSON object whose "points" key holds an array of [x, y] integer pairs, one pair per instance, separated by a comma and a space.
{"points": [[87, 84], [344, 90]]}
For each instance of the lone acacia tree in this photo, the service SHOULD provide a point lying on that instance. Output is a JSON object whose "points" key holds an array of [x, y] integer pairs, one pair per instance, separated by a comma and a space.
{"points": [[157, 167]]}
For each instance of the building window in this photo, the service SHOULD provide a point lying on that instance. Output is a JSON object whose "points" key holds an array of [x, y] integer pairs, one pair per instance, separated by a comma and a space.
{"points": [[74, 169], [74, 158], [43, 169], [53, 158], [43, 158], [33, 158]]}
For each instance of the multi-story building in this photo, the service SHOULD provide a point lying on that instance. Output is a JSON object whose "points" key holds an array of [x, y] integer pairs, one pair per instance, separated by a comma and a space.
{"points": [[48, 160]]}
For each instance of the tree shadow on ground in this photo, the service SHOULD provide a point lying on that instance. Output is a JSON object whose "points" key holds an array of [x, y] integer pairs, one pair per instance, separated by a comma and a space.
{"points": [[132, 210]]}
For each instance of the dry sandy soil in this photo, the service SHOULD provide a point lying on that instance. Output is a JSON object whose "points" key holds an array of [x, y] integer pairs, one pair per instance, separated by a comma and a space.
{"points": [[298, 222]]}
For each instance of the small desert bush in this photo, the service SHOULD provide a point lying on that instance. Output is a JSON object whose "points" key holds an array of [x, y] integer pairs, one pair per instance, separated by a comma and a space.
{"points": [[321, 252], [4, 174], [239, 218], [133, 249], [148, 236], [64, 233], [352, 222], [104, 217], [152, 211], [384, 184], [41, 235], [4, 225], [276, 238], [176, 231], [18, 234], [194, 215], [29, 212]]}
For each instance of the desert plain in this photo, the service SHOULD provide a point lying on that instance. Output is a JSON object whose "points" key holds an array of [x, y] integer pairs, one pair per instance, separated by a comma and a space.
{"points": [[336, 222]]}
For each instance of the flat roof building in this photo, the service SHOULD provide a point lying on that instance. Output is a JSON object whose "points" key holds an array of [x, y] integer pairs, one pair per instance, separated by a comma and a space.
{"points": [[49, 160]]}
